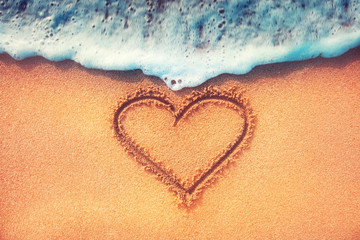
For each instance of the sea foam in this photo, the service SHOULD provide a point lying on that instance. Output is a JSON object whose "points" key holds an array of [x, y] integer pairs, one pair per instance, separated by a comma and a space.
{"points": [[182, 42]]}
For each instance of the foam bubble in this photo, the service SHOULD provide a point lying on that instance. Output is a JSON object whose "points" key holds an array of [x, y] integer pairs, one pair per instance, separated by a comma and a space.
{"points": [[185, 42]]}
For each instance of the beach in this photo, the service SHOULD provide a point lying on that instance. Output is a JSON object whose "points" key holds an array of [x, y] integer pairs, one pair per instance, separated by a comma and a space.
{"points": [[64, 174]]}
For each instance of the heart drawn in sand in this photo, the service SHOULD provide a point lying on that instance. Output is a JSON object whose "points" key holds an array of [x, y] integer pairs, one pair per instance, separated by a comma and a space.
{"points": [[186, 147]]}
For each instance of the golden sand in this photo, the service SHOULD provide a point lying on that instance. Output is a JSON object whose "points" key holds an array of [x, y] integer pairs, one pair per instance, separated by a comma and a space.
{"points": [[63, 174]]}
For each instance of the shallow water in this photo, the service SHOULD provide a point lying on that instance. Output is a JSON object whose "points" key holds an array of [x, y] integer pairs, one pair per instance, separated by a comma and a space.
{"points": [[182, 42]]}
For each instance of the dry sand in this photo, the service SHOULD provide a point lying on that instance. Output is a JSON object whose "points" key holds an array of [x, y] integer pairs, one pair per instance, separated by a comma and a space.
{"points": [[65, 175]]}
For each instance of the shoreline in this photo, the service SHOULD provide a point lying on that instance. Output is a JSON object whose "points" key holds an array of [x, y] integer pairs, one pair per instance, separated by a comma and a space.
{"points": [[259, 71]]}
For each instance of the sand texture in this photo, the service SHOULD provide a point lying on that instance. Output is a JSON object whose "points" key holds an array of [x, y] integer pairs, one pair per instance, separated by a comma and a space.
{"points": [[91, 154]]}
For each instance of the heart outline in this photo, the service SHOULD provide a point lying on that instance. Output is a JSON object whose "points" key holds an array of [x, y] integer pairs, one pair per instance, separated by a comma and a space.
{"points": [[186, 196]]}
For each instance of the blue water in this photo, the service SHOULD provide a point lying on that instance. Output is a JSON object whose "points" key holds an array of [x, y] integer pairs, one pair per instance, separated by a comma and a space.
{"points": [[182, 42]]}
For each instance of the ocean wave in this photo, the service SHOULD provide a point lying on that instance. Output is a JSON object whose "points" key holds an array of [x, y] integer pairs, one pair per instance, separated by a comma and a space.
{"points": [[182, 42]]}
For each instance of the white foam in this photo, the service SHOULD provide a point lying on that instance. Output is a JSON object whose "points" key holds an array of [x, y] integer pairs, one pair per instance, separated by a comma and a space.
{"points": [[190, 41]]}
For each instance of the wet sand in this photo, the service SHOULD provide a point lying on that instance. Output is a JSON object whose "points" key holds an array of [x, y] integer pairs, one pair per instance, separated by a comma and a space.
{"points": [[65, 175]]}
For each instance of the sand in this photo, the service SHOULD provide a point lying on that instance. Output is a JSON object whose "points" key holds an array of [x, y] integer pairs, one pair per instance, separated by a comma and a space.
{"points": [[66, 174]]}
